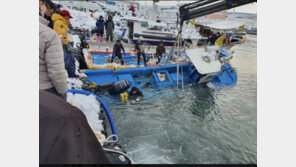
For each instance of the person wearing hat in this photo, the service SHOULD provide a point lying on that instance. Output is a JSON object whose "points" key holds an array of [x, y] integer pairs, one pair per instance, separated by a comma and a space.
{"points": [[160, 50], [50, 8], [140, 47], [52, 73], [100, 25], [61, 22], [109, 25], [60, 25], [117, 51], [58, 9]]}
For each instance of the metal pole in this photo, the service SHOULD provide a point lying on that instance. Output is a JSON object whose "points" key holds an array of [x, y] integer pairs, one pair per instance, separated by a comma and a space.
{"points": [[177, 74], [178, 63], [177, 38]]}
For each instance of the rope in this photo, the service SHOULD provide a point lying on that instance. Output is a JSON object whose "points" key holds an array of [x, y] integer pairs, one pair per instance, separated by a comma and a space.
{"points": [[109, 140], [192, 71], [182, 78], [149, 77]]}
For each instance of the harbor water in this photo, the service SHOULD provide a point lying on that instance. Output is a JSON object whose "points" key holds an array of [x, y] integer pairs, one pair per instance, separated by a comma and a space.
{"points": [[196, 124]]}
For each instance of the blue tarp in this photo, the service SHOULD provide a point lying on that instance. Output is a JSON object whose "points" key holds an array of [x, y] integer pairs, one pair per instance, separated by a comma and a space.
{"points": [[111, 3]]}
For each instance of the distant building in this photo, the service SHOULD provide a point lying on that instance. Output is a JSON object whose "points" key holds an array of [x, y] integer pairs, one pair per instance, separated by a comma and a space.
{"points": [[242, 15], [216, 16]]}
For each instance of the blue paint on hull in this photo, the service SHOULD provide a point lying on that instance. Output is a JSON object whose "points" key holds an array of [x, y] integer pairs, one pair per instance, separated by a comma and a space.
{"points": [[154, 75], [154, 43], [139, 76], [226, 77]]}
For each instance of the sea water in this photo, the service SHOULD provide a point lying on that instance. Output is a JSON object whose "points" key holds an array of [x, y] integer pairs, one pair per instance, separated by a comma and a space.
{"points": [[196, 124]]}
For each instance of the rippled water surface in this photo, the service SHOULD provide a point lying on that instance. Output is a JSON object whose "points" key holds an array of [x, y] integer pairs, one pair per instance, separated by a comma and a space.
{"points": [[197, 124]]}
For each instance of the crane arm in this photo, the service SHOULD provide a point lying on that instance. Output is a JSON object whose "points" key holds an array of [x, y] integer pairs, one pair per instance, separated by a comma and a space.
{"points": [[204, 7]]}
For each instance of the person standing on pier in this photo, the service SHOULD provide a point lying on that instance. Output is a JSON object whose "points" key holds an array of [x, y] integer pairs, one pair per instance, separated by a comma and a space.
{"points": [[109, 25], [117, 52], [140, 47], [100, 25], [160, 50]]}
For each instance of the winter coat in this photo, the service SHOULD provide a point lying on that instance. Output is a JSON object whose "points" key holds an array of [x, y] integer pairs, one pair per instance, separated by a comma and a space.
{"points": [[60, 25], [109, 25], [213, 38], [160, 50], [117, 49], [100, 25], [52, 71], [140, 46], [65, 135]]}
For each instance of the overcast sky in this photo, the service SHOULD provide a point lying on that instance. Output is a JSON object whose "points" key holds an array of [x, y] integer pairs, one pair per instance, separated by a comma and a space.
{"points": [[250, 8]]}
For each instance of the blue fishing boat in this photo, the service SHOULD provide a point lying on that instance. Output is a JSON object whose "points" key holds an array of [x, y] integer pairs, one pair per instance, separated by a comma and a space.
{"points": [[193, 70]]}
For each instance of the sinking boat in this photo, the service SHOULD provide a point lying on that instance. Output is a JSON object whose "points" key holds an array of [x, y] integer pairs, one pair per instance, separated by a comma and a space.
{"points": [[193, 69]]}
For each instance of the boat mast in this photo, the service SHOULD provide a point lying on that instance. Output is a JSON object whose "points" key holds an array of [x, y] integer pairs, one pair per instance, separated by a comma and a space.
{"points": [[154, 9]]}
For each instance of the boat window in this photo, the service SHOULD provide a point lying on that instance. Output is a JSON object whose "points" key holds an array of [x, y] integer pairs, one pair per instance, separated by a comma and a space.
{"points": [[131, 29], [155, 28], [143, 25], [141, 78], [161, 76]]}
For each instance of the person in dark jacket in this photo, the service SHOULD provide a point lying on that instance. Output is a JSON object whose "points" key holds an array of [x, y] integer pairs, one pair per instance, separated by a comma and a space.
{"points": [[214, 37], [50, 8], [117, 52], [109, 25], [135, 93], [100, 26], [58, 9], [140, 47], [65, 136], [160, 50]]}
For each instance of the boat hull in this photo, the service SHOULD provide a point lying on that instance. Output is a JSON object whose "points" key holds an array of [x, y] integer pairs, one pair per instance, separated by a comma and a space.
{"points": [[173, 75], [163, 76], [159, 76], [226, 77], [155, 42]]}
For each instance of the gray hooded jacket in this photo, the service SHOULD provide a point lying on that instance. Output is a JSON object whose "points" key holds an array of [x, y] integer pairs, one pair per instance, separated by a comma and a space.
{"points": [[52, 71]]}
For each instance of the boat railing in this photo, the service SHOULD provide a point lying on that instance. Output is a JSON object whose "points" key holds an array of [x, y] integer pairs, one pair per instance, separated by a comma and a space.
{"points": [[129, 47], [131, 59]]}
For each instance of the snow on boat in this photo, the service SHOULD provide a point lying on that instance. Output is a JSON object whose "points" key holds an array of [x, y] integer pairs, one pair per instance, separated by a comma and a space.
{"points": [[151, 31], [235, 32]]}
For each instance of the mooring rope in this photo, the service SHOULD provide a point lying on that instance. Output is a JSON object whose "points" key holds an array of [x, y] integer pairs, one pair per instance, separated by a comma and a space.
{"points": [[109, 140]]}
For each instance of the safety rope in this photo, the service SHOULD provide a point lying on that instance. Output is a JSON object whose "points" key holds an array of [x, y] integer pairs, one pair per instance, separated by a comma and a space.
{"points": [[149, 77], [110, 140]]}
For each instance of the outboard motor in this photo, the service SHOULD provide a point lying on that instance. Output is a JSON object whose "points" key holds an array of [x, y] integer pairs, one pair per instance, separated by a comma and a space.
{"points": [[119, 87]]}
